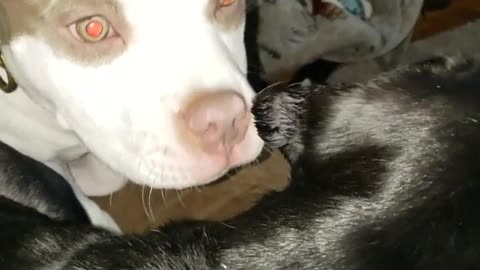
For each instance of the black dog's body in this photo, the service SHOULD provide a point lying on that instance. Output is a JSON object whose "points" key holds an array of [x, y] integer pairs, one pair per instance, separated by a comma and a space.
{"points": [[385, 176]]}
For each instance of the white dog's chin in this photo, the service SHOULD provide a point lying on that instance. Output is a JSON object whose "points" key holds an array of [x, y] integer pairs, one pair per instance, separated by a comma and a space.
{"points": [[99, 180], [189, 170], [203, 170], [174, 169]]}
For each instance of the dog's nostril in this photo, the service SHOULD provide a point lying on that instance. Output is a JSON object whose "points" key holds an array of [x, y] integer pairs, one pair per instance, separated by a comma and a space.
{"points": [[217, 120]]}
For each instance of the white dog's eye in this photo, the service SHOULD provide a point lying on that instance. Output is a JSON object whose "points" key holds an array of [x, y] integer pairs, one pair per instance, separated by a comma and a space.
{"points": [[93, 29]]}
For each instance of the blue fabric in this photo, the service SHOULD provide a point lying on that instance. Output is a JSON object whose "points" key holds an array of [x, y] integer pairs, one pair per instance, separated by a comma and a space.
{"points": [[355, 7]]}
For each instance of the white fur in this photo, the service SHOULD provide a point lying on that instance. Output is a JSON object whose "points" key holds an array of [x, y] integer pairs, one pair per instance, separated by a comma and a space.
{"points": [[123, 112]]}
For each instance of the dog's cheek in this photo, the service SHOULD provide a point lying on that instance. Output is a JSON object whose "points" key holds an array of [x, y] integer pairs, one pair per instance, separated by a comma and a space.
{"points": [[234, 41]]}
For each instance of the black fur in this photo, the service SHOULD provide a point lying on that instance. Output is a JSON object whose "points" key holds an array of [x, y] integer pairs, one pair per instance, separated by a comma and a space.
{"points": [[35, 185], [385, 176]]}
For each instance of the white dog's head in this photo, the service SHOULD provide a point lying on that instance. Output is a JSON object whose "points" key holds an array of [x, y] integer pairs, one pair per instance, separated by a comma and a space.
{"points": [[155, 89]]}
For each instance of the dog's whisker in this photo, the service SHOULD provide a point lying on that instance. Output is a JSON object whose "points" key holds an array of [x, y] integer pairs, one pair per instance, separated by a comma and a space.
{"points": [[143, 202], [150, 209], [273, 85], [295, 84], [151, 216], [110, 200], [180, 198], [163, 193]]}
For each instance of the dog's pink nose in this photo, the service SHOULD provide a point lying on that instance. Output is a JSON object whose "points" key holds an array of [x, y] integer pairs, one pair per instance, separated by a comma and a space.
{"points": [[218, 121]]}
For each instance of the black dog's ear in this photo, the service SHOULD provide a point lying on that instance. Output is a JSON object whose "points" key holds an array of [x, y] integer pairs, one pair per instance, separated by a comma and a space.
{"points": [[280, 112]]}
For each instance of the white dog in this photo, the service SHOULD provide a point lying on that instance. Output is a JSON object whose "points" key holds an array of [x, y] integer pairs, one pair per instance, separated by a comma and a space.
{"points": [[153, 91]]}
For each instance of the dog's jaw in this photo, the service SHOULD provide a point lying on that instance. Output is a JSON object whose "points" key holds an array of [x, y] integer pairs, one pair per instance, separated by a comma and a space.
{"points": [[123, 111]]}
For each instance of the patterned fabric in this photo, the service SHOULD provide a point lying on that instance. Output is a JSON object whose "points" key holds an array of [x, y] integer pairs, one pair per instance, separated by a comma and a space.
{"points": [[290, 34], [359, 8]]}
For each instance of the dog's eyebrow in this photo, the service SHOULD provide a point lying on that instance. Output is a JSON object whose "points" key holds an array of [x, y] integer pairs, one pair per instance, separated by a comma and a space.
{"points": [[71, 9]]}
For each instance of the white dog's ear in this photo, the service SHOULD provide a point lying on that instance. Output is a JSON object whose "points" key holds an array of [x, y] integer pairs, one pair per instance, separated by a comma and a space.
{"points": [[94, 178]]}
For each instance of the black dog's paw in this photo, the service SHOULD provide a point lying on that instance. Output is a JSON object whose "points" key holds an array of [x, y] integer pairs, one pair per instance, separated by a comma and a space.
{"points": [[280, 113]]}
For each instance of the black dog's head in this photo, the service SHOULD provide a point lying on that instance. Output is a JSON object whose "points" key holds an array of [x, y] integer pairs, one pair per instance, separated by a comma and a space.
{"points": [[281, 114]]}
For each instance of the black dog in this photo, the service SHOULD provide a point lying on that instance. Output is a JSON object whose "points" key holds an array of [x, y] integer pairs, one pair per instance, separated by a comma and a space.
{"points": [[385, 176]]}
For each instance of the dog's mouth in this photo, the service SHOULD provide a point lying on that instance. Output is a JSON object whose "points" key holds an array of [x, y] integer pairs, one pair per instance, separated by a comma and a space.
{"points": [[96, 179], [181, 167]]}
